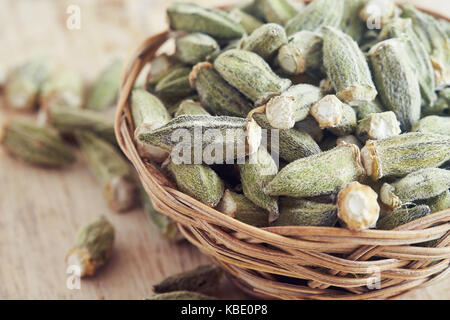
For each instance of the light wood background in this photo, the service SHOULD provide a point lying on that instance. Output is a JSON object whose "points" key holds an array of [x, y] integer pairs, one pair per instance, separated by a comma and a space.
{"points": [[41, 210]]}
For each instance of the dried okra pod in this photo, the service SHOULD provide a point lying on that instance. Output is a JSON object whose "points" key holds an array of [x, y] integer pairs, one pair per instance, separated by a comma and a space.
{"points": [[181, 295], [250, 74], [351, 23], [265, 41], [319, 174], [93, 246], [378, 11], [293, 105], [193, 18], [160, 66], [278, 11], [175, 83], [198, 181], [25, 83], [105, 89], [418, 185], [242, 209], [186, 135], [358, 207], [438, 203], [148, 113], [190, 107], [365, 108], [247, 21], [400, 216], [63, 88], [195, 47], [302, 53], [35, 145], [396, 81], [202, 279], [378, 126], [302, 212], [317, 14], [68, 120], [433, 124], [399, 155], [293, 143], [111, 169], [257, 171], [346, 67], [216, 94], [332, 114]]}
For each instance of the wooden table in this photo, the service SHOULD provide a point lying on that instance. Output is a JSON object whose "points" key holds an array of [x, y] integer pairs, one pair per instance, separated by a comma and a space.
{"points": [[41, 210]]}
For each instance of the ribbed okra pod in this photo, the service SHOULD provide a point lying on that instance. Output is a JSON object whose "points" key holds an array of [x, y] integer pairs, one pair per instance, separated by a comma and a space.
{"points": [[351, 22], [397, 156], [302, 212], [111, 170], [400, 216], [190, 107], [396, 81], [320, 174], [422, 184], [438, 203], [250, 74], [317, 14], [433, 124], [175, 83], [216, 94], [247, 21], [278, 11], [346, 67], [365, 108], [265, 41], [195, 47]]}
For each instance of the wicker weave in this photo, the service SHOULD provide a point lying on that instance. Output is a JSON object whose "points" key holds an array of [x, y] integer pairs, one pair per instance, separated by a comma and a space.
{"points": [[291, 262]]}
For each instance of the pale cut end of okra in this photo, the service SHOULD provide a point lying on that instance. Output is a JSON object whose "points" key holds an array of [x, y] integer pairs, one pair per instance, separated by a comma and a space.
{"points": [[328, 111], [358, 206], [348, 139], [378, 126]]}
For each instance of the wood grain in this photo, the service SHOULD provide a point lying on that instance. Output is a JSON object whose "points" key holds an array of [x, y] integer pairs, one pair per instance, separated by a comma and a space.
{"points": [[41, 210]]}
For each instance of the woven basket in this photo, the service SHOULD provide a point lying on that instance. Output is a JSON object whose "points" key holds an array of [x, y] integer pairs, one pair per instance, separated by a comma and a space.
{"points": [[291, 262]]}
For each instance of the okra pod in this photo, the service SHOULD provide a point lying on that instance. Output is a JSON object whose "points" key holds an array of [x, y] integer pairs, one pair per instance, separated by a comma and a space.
{"points": [[265, 41], [195, 47], [278, 11], [181, 295], [63, 88], [433, 124], [302, 212], [190, 107], [175, 83], [400, 216]]}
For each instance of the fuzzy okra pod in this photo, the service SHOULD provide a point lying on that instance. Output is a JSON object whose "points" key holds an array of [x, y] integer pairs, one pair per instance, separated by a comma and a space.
{"points": [[148, 113], [239, 207], [399, 155], [175, 83], [160, 66], [247, 21], [63, 88], [190, 107], [292, 106], [346, 67], [317, 14], [278, 11], [396, 81], [400, 216], [438, 203], [36, 145], [433, 124], [257, 171], [216, 94], [302, 212], [105, 88], [195, 47], [202, 279], [24, 84], [193, 18], [358, 206], [319, 174], [93, 246], [265, 41], [111, 169], [292, 144], [422, 184], [181, 295], [198, 181], [250, 74], [213, 139], [365, 108], [378, 126], [351, 22]]}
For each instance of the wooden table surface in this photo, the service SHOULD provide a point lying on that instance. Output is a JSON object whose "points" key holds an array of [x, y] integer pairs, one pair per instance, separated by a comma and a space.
{"points": [[41, 210]]}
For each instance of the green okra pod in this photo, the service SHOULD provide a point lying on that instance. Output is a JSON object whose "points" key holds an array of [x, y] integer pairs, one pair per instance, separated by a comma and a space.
{"points": [[63, 88], [438, 203], [257, 171], [195, 47], [247, 21], [175, 83], [254, 8], [292, 106], [319, 174], [399, 155], [202, 279], [250, 74], [265, 41], [198, 181], [159, 67], [292, 143], [190, 107], [216, 94], [93, 247], [103, 92], [365, 108], [181, 295], [278, 11], [346, 67], [317, 14], [378, 126], [400, 216], [302, 212], [351, 22], [148, 113], [111, 170], [422, 184], [241, 208], [193, 18], [396, 81], [35, 145], [433, 124]]}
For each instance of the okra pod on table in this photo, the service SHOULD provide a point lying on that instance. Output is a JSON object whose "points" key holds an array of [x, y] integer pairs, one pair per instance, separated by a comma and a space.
{"points": [[63, 88]]}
